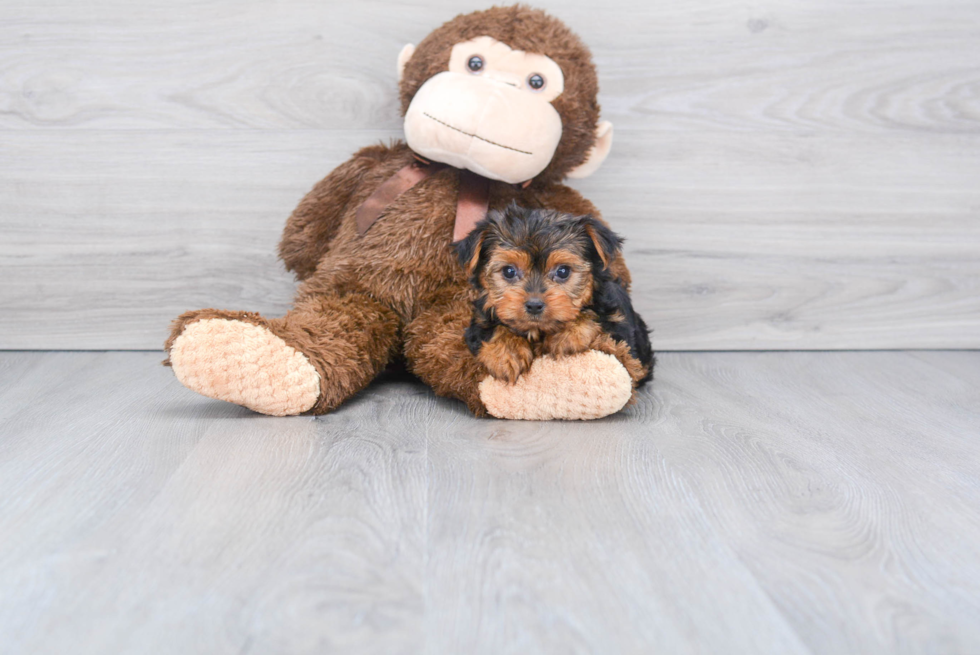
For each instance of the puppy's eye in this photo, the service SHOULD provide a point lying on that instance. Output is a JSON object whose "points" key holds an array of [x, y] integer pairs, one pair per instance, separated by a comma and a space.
{"points": [[562, 272], [509, 272], [475, 64], [535, 81]]}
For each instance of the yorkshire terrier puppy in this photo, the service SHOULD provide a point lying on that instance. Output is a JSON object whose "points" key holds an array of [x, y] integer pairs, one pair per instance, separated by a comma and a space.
{"points": [[545, 287]]}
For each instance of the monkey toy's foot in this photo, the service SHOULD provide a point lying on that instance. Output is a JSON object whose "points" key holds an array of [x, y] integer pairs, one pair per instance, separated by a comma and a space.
{"points": [[586, 386], [234, 357]]}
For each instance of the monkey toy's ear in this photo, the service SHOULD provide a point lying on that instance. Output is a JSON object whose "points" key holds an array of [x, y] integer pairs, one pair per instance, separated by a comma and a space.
{"points": [[605, 242], [403, 58], [597, 153]]}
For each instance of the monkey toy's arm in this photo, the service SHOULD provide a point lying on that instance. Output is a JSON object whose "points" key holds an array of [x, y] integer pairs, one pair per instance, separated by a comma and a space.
{"points": [[314, 223]]}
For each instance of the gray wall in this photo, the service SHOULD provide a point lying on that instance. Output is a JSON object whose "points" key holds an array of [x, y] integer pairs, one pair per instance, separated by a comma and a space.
{"points": [[789, 175]]}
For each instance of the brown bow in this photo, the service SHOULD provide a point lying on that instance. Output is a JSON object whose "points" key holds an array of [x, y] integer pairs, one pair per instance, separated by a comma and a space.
{"points": [[471, 204]]}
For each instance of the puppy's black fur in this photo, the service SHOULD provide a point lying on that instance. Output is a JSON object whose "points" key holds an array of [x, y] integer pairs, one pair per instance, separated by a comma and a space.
{"points": [[610, 299]]}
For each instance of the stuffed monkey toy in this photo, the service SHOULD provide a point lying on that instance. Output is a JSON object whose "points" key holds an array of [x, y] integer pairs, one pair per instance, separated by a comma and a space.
{"points": [[500, 106]]}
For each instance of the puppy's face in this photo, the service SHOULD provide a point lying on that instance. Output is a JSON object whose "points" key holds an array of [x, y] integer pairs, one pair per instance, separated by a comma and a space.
{"points": [[535, 266], [531, 289]]}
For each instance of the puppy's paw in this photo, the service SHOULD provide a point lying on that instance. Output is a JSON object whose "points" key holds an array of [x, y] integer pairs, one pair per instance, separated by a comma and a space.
{"points": [[576, 338], [506, 357]]}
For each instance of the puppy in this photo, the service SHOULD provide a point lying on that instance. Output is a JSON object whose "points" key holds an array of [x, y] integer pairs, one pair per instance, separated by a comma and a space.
{"points": [[545, 287]]}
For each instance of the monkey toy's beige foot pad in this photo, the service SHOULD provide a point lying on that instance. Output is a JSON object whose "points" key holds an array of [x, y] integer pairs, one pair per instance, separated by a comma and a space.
{"points": [[585, 386], [245, 364]]}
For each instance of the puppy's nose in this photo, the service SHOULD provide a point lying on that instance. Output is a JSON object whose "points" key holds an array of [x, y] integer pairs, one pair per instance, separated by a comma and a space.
{"points": [[534, 306]]}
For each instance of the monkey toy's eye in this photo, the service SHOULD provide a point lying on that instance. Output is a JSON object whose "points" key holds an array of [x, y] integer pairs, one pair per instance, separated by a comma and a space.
{"points": [[509, 272], [535, 81], [475, 64], [562, 272]]}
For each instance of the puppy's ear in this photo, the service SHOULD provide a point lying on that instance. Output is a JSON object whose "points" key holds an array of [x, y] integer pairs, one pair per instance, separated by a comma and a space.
{"points": [[605, 241], [470, 248]]}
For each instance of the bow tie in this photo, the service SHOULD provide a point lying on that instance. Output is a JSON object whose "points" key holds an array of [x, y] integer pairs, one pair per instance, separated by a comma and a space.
{"points": [[471, 204]]}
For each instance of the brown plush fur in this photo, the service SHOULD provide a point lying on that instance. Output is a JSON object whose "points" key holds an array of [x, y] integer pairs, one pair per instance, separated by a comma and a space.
{"points": [[534, 31], [399, 288]]}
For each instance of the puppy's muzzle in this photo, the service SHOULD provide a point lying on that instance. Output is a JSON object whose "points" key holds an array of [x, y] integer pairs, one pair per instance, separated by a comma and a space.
{"points": [[534, 306]]}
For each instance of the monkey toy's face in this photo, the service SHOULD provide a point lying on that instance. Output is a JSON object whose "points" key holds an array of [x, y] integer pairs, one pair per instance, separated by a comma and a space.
{"points": [[490, 113], [508, 93]]}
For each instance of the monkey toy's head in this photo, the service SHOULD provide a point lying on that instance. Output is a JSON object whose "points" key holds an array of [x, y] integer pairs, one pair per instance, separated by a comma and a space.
{"points": [[508, 93]]}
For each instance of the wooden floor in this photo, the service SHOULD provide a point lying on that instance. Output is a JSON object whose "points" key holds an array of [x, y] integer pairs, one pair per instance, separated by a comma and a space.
{"points": [[750, 503]]}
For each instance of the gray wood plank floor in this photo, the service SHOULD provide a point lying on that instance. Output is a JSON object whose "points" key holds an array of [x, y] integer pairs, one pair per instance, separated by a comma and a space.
{"points": [[749, 503]]}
